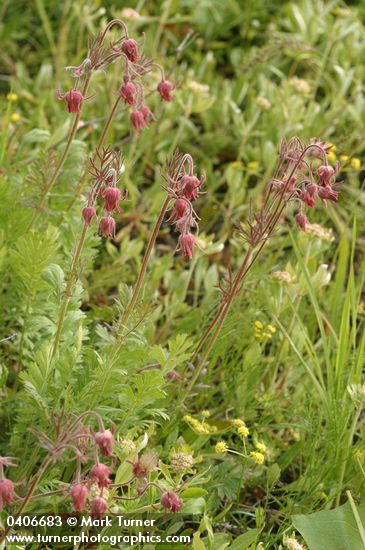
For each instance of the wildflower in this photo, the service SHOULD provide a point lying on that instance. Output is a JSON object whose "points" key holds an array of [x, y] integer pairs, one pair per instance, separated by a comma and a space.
{"points": [[190, 187], [344, 158], [12, 97], [355, 163], [179, 210], [243, 431], [6, 492], [206, 414], [173, 375], [271, 328], [100, 472], [146, 113], [331, 155], [263, 103], [127, 445], [221, 447], [112, 197], [292, 544], [88, 214], [186, 245], [238, 422], [138, 120], [327, 193], [130, 48], [257, 457], [98, 507], [15, 117], [127, 93], [325, 174], [107, 226], [301, 220], [74, 99], [283, 276], [261, 447], [308, 199], [259, 325], [253, 165], [164, 89], [312, 189], [181, 462], [144, 465], [104, 441], [79, 495], [171, 501]]}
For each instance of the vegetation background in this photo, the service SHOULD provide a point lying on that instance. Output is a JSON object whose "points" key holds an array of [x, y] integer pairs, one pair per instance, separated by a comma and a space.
{"points": [[255, 72]]}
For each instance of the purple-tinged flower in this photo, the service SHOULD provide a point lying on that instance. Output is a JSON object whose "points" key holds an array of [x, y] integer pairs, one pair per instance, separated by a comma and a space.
{"points": [[171, 501], [146, 113], [308, 199], [79, 495], [186, 245], [107, 227], [130, 48], [74, 99], [312, 189], [104, 441], [138, 120], [301, 220], [112, 197], [325, 174], [179, 210], [164, 89], [7, 493], [127, 93], [100, 472], [98, 507], [190, 187], [173, 375], [327, 193], [144, 465], [88, 214]]}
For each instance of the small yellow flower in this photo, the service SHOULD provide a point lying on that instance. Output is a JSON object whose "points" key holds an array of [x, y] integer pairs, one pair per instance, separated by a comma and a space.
{"points": [[333, 147], [267, 335], [206, 414], [271, 328], [253, 165], [221, 447], [238, 422], [331, 155], [258, 457], [188, 418], [355, 163], [243, 431], [259, 325], [261, 447], [344, 158], [12, 97], [15, 117], [236, 165]]}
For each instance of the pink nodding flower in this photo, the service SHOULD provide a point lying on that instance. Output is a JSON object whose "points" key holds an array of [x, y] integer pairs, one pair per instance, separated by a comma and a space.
{"points": [[308, 199], [74, 99], [179, 210], [130, 48], [327, 193], [301, 220], [101, 472], [107, 227], [190, 187], [104, 441], [312, 189], [325, 174], [7, 493], [164, 89], [138, 120], [98, 507], [186, 245], [173, 375], [171, 501], [112, 197], [88, 214], [79, 495], [146, 113], [127, 93]]}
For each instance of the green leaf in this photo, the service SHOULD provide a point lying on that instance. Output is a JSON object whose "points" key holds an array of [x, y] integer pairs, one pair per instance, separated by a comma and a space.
{"points": [[193, 492], [335, 529], [245, 540], [197, 543]]}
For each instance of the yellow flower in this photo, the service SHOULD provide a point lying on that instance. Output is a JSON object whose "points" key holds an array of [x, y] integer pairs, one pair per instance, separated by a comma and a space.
{"points": [[259, 325], [15, 117], [344, 158], [267, 335], [253, 165], [261, 447], [221, 447], [238, 422], [206, 414], [243, 431], [11, 97], [271, 328], [333, 147], [258, 457], [331, 156], [236, 165], [355, 163]]}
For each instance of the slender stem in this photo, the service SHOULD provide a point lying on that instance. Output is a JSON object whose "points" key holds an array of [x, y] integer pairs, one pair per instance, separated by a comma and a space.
{"points": [[68, 292], [31, 490], [142, 272], [61, 162]]}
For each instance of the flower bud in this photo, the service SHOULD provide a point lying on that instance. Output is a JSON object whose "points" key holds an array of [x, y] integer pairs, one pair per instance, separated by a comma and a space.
{"points": [[104, 441], [186, 245], [190, 187], [164, 89], [138, 120], [308, 199], [301, 220], [179, 210], [100, 472], [88, 214], [79, 495], [112, 197], [173, 375], [127, 93], [107, 226], [74, 100], [98, 507], [7, 493], [171, 501], [325, 174], [130, 48]]}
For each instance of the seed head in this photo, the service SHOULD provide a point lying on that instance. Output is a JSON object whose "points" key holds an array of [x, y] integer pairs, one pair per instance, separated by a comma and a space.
{"points": [[144, 465], [171, 501], [79, 495]]}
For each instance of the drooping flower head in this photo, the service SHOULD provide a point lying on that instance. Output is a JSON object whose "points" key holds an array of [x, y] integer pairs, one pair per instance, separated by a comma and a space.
{"points": [[165, 90], [186, 245], [112, 197], [79, 493], [144, 465], [104, 440], [107, 226], [88, 214], [171, 501], [130, 48], [138, 120], [128, 93], [301, 220], [74, 99], [98, 507], [7, 493], [190, 187], [100, 472]]}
